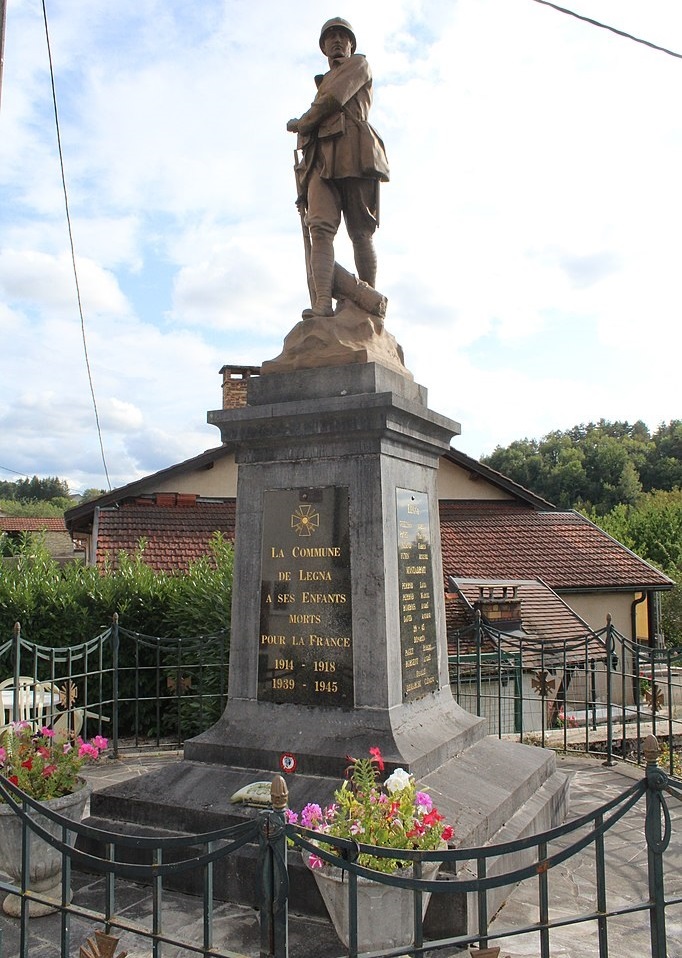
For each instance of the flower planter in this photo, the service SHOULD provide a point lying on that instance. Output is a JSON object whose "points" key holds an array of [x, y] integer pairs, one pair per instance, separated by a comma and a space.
{"points": [[385, 912], [45, 862]]}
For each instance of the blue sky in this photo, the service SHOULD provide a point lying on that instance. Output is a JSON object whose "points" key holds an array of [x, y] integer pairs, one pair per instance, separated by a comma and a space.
{"points": [[529, 244]]}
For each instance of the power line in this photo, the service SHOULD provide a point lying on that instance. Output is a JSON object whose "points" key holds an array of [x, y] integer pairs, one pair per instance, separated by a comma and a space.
{"points": [[7, 469], [73, 251], [604, 26]]}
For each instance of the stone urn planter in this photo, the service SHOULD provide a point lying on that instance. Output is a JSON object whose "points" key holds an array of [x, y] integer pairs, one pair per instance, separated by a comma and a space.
{"points": [[45, 869], [385, 912]]}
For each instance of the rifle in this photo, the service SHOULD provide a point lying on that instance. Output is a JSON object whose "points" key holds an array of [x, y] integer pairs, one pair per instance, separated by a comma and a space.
{"points": [[301, 205]]}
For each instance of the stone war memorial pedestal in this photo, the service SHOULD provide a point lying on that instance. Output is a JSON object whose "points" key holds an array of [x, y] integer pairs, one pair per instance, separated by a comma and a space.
{"points": [[338, 636]]}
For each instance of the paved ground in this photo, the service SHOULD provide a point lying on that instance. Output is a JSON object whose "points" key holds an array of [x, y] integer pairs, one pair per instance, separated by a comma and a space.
{"points": [[571, 891]]}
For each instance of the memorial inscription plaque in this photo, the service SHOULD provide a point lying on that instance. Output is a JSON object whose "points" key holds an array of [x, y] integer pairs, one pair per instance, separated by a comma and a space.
{"points": [[305, 643], [415, 574]]}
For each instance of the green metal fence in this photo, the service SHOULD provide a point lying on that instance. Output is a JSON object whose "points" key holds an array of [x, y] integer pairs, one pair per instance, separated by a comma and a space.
{"points": [[533, 858], [138, 690], [595, 691]]}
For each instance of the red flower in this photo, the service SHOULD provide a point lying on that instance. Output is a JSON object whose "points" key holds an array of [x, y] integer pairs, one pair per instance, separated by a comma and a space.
{"points": [[376, 755], [447, 833], [13, 779], [432, 817], [27, 764]]}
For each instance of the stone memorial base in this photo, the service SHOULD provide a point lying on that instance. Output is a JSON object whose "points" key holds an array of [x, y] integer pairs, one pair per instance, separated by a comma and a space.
{"points": [[338, 632]]}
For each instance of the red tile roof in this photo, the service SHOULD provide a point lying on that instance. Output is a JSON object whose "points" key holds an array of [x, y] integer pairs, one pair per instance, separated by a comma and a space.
{"points": [[174, 535], [549, 623], [29, 524], [506, 540]]}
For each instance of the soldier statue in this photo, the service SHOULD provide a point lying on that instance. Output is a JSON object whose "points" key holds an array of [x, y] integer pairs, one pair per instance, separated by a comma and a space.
{"points": [[342, 161]]}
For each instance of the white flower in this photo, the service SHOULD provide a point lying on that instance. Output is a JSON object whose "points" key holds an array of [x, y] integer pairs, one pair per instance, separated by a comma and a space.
{"points": [[398, 780]]}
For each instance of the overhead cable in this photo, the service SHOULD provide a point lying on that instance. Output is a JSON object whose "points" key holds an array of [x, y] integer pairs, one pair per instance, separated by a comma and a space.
{"points": [[604, 26], [73, 252]]}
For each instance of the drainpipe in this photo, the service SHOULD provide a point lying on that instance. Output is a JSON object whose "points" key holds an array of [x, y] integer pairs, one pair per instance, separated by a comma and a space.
{"points": [[633, 616], [94, 536]]}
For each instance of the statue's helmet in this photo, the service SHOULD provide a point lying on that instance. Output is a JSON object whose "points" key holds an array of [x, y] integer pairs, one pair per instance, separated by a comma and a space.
{"points": [[344, 25]]}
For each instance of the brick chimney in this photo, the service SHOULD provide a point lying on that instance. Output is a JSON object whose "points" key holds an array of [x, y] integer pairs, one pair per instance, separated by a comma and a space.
{"points": [[500, 606], [235, 383]]}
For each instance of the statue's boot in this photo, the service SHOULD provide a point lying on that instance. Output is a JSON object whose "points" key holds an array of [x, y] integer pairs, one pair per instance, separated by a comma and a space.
{"points": [[322, 267], [365, 259]]}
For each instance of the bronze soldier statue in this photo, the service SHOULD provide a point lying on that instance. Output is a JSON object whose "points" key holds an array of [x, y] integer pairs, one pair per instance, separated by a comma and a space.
{"points": [[343, 161]]}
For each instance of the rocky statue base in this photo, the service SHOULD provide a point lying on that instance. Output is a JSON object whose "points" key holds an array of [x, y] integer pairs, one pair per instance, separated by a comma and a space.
{"points": [[353, 335]]}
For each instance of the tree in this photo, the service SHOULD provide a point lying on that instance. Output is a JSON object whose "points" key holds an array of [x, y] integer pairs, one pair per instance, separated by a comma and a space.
{"points": [[41, 490], [595, 466]]}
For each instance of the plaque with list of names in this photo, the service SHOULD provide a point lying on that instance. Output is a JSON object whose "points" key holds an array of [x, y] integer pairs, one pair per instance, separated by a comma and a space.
{"points": [[305, 644], [415, 581]]}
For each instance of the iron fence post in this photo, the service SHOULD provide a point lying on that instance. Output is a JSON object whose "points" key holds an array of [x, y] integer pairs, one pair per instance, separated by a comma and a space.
{"points": [[16, 632], [274, 926], [477, 640], [609, 691], [115, 643], [656, 841]]}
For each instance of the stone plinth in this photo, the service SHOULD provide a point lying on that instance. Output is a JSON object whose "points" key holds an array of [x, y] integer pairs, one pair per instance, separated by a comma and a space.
{"points": [[338, 627]]}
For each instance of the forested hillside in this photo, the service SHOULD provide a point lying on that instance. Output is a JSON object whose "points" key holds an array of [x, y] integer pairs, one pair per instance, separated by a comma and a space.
{"points": [[595, 466], [623, 477]]}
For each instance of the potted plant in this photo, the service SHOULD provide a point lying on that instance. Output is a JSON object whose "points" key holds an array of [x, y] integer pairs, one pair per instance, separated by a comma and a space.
{"points": [[394, 814], [46, 767]]}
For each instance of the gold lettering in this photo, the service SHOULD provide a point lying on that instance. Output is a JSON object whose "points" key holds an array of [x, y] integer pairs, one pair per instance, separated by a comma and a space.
{"points": [[310, 575], [319, 552], [333, 598]]}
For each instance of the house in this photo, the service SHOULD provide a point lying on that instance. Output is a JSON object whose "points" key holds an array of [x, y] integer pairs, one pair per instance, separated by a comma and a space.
{"points": [[516, 649], [52, 531], [491, 528]]}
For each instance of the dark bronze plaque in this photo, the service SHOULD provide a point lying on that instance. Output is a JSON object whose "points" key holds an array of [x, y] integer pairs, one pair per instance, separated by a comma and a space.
{"points": [[305, 646], [415, 574]]}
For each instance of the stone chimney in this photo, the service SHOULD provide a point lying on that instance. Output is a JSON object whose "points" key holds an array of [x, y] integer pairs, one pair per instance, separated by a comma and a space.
{"points": [[235, 383], [500, 606]]}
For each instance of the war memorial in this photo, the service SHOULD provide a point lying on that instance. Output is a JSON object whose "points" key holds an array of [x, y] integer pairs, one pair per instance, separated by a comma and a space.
{"points": [[338, 638]]}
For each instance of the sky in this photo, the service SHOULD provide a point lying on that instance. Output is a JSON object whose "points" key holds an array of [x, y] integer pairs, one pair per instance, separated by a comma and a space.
{"points": [[529, 244]]}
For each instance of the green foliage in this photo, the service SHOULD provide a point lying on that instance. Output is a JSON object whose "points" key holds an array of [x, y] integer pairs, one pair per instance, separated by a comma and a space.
{"points": [[42, 510], [595, 466], [40, 490], [90, 494], [64, 605], [671, 610], [652, 528]]}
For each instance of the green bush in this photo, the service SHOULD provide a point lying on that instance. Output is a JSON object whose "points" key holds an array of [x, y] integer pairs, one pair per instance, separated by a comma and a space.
{"points": [[64, 605]]}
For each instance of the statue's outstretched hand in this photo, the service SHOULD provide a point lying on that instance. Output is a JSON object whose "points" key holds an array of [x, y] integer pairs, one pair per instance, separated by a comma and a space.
{"points": [[292, 125]]}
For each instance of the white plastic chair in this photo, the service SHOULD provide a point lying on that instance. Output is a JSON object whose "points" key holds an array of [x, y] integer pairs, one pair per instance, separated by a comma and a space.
{"points": [[35, 701]]}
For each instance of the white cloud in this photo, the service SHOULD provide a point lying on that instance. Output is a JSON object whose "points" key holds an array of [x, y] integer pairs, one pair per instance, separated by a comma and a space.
{"points": [[528, 243]]}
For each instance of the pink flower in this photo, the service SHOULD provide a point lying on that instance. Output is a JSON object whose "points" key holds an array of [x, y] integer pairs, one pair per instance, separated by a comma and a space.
{"points": [[311, 816], [47, 732], [315, 861], [86, 750], [3, 756], [375, 752], [49, 770], [356, 829], [291, 817], [424, 801], [100, 742]]}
